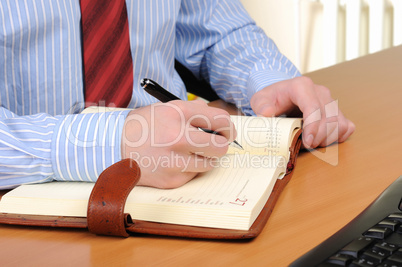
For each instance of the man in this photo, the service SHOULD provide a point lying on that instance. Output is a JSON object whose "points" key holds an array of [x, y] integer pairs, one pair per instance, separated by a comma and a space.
{"points": [[42, 80]]}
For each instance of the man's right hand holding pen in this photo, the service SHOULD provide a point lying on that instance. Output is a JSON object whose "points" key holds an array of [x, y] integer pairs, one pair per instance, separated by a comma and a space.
{"points": [[165, 140]]}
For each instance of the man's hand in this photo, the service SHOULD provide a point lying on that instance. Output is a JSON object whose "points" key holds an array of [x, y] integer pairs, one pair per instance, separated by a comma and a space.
{"points": [[165, 140], [324, 123]]}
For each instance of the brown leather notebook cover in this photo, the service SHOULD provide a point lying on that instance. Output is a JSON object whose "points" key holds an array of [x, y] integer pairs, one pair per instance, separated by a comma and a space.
{"points": [[108, 197]]}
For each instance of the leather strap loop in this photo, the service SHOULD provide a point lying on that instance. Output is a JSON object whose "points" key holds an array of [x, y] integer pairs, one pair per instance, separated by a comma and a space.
{"points": [[105, 214]]}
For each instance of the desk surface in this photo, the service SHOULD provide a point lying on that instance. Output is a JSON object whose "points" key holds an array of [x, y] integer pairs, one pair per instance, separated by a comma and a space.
{"points": [[327, 190]]}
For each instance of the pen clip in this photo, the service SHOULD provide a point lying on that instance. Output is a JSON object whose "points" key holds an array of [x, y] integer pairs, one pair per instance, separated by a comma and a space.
{"points": [[157, 91]]}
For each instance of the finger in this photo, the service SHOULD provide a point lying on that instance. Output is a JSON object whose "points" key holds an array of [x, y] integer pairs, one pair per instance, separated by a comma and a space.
{"points": [[213, 119], [185, 163], [274, 100], [312, 128], [313, 134], [197, 114], [314, 104], [350, 130], [342, 124], [330, 128], [284, 97], [179, 179], [200, 102], [337, 130], [333, 136], [206, 144], [224, 128], [263, 103], [172, 180], [330, 136], [197, 164]]}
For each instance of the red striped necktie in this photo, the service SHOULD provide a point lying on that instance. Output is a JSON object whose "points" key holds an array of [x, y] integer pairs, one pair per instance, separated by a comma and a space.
{"points": [[108, 66]]}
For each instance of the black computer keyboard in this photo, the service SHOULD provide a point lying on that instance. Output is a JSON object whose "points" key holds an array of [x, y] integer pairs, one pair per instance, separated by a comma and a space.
{"points": [[373, 238]]}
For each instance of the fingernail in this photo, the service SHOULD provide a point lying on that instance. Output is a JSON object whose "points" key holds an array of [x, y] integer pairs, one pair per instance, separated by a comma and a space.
{"points": [[309, 141]]}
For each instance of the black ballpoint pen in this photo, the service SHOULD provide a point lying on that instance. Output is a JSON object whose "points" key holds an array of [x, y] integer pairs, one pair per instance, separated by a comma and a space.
{"points": [[164, 96]]}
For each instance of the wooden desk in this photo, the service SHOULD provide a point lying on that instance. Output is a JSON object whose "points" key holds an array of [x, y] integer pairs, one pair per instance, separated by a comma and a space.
{"points": [[319, 199]]}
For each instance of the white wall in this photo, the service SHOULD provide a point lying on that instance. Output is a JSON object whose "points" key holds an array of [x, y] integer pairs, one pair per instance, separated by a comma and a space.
{"points": [[276, 17], [301, 35]]}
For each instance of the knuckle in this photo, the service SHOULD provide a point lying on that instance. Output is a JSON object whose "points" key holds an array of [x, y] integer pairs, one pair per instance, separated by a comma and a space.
{"points": [[169, 111], [304, 81], [219, 113], [324, 91], [181, 105], [342, 126], [224, 113]]}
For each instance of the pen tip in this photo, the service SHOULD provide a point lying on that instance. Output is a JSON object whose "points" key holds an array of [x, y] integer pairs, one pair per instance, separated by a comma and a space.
{"points": [[238, 144]]}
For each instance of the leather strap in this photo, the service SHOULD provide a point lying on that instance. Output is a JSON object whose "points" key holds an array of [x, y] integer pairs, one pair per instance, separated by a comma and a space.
{"points": [[105, 215]]}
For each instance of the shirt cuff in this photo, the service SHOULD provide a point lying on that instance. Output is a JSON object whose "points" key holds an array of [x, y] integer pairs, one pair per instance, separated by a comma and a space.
{"points": [[261, 79], [83, 145], [258, 81]]}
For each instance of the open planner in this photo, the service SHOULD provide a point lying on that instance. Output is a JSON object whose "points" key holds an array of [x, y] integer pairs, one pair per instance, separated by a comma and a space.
{"points": [[233, 200]]}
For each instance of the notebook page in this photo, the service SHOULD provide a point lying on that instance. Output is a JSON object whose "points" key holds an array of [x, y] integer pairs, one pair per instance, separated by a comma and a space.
{"points": [[229, 197], [54, 198], [229, 189], [264, 135], [239, 180]]}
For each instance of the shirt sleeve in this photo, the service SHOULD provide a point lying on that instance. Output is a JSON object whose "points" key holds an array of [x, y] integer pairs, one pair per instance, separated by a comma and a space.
{"points": [[219, 42], [42, 148]]}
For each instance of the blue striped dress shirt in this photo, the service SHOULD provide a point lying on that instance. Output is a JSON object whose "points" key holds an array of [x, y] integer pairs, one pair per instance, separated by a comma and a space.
{"points": [[42, 136]]}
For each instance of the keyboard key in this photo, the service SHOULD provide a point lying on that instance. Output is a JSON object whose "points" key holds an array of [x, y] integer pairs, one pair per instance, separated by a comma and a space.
{"points": [[371, 260], [363, 263], [356, 246], [396, 258], [327, 264], [389, 264], [377, 254], [391, 224], [340, 259], [378, 232], [395, 216], [395, 239], [386, 246]]}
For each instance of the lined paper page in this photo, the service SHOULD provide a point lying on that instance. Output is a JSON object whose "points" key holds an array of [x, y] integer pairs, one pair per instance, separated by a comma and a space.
{"points": [[229, 197], [264, 136], [219, 198], [219, 186]]}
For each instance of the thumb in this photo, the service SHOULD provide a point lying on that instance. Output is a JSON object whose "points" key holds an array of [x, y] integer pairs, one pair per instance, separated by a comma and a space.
{"points": [[267, 110], [263, 103], [274, 100]]}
